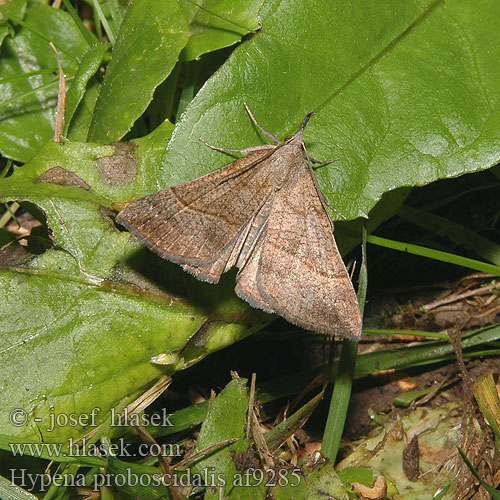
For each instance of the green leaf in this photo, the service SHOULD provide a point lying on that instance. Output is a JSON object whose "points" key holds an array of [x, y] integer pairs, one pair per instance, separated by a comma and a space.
{"points": [[89, 64], [15, 8], [114, 173], [149, 42], [220, 425], [28, 85], [105, 307], [405, 93], [85, 339], [82, 117], [8, 491], [405, 399], [215, 24], [56, 26], [361, 475], [93, 341], [77, 224], [150, 151], [226, 419], [316, 484]]}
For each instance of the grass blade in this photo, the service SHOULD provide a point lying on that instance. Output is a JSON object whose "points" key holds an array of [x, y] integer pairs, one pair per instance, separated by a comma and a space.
{"points": [[434, 254], [345, 374]]}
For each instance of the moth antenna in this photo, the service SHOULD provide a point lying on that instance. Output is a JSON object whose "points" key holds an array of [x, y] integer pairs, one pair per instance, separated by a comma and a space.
{"points": [[260, 127]]}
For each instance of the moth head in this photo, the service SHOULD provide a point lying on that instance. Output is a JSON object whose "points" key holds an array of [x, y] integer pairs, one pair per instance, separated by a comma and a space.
{"points": [[298, 136]]}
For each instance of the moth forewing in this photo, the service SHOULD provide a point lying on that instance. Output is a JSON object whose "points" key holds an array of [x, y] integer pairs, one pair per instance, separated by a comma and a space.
{"points": [[263, 213]]}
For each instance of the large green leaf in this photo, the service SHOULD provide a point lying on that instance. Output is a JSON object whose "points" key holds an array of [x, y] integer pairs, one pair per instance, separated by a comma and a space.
{"points": [[405, 93], [149, 42], [100, 307], [93, 340], [111, 172], [28, 86], [221, 425]]}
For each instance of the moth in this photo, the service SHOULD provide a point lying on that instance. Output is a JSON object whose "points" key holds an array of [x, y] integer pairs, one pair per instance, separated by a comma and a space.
{"points": [[264, 214]]}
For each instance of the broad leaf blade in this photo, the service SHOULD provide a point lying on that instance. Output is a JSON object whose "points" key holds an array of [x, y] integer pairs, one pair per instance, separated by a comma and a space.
{"points": [[404, 92], [14, 8], [141, 60], [105, 306], [93, 342]]}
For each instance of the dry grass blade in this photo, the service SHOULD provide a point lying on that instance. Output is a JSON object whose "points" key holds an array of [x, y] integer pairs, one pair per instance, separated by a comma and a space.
{"points": [[61, 98]]}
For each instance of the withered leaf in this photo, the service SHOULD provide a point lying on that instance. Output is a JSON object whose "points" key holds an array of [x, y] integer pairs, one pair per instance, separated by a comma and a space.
{"points": [[264, 214], [62, 177]]}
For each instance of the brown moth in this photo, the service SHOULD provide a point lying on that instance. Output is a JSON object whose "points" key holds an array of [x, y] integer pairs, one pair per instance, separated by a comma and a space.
{"points": [[264, 214]]}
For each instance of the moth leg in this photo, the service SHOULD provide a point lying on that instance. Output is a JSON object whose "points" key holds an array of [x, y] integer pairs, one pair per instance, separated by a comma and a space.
{"points": [[340, 214], [322, 197], [329, 205], [260, 127], [242, 151], [321, 163], [309, 157]]}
